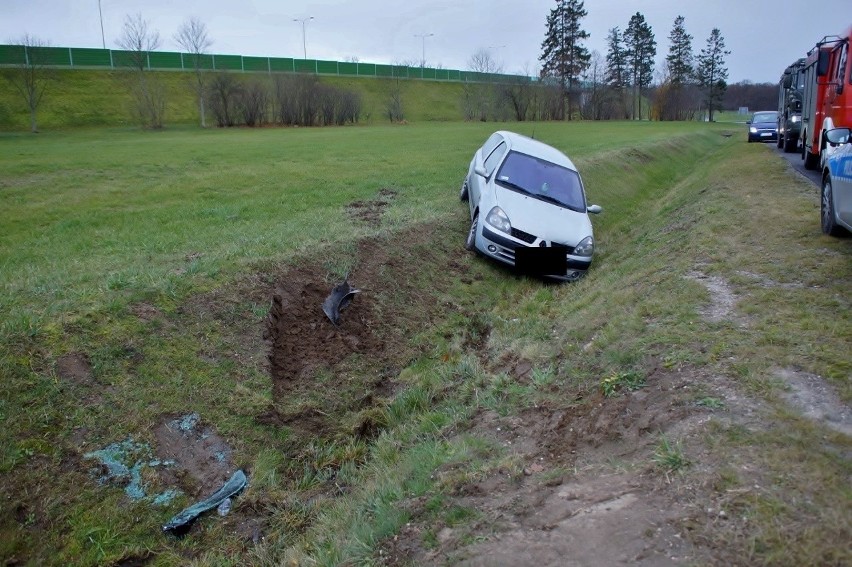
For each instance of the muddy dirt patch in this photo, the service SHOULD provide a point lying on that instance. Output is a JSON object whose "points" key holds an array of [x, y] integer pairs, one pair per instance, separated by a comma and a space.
{"points": [[75, 367], [370, 212], [322, 373], [201, 458]]}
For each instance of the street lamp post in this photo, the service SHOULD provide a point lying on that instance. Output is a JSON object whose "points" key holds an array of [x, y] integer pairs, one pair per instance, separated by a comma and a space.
{"points": [[304, 44], [423, 36], [101, 13]]}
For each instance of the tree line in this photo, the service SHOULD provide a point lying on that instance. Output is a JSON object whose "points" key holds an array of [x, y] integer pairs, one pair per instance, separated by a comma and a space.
{"points": [[614, 86], [573, 83]]}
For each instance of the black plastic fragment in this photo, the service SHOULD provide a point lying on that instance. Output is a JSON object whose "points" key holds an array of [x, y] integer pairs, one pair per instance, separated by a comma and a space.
{"points": [[340, 298]]}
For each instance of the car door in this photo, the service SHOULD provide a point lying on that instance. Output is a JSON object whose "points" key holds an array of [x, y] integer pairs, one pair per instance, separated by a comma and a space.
{"points": [[485, 156], [841, 183]]}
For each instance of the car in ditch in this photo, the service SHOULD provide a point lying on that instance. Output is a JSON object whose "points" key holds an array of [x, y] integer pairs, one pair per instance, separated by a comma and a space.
{"points": [[528, 208], [836, 193], [763, 126]]}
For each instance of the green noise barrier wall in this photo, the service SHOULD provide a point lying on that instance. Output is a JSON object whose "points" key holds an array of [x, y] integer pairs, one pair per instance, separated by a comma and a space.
{"points": [[90, 58]]}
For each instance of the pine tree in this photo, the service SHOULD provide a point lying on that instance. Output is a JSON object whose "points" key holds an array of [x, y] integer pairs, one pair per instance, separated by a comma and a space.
{"points": [[641, 48], [563, 55], [712, 72], [680, 57], [616, 60]]}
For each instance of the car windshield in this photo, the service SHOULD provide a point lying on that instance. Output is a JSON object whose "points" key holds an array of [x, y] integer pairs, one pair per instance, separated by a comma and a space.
{"points": [[543, 180], [765, 117]]}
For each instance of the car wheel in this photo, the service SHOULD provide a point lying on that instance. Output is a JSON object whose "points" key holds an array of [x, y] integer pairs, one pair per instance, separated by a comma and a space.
{"points": [[464, 196], [790, 144], [470, 243], [811, 160], [826, 209]]}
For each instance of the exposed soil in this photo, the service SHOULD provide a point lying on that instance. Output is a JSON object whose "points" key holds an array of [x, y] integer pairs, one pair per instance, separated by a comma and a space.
{"points": [[722, 297], [371, 212], [816, 400], [202, 459], [75, 367], [569, 507], [310, 356]]}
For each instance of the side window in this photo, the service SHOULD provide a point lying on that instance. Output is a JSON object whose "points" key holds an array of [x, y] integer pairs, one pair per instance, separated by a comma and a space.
{"points": [[495, 157], [490, 144], [841, 65]]}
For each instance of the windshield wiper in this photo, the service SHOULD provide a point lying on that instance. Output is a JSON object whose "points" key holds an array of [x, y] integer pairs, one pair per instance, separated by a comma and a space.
{"points": [[511, 185], [550, 199]]}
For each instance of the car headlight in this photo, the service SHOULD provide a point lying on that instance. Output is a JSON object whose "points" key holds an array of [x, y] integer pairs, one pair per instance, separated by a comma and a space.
{"points": [[499, 220], [795, 119], [753, 130], [586, 247]]}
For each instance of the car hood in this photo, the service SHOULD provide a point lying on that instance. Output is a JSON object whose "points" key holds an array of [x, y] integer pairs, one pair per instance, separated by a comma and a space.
{"points": [[543, 219]]}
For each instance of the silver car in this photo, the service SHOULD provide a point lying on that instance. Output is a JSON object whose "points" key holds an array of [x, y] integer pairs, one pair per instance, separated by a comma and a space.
{"points": [[836, 197], [528, 208]]}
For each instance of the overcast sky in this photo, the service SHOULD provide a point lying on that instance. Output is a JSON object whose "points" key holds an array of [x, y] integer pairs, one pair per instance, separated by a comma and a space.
{"points": [[764, 36]]}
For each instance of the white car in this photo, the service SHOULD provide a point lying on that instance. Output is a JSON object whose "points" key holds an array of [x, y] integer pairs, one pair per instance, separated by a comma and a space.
{"points": [[836, 197], [528, 208]]}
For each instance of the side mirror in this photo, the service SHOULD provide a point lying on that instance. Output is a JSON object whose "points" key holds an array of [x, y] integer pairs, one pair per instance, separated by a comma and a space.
{"points": [[788, 80], [838, 136], [480, 171], [822, 63], [748, 122], [594, 209]]}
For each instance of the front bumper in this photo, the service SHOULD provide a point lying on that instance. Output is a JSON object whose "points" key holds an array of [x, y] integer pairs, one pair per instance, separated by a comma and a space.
{"points": [[502, 248]]}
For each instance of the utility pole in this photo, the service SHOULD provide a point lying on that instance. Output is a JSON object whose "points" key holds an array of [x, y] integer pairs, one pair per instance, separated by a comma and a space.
{"points": [[423, 36], [304, 45]]}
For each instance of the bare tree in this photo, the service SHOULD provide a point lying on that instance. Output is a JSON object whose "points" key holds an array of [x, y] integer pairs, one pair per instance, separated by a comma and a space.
{"points": [[596, 91], [192, 37], [29, 76], [478, 99], [137, 40], [225, 93]]}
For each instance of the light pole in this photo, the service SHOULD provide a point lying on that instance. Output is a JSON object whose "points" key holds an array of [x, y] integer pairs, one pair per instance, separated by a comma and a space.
{"points": [[304, 45], [423, 36], [103, 39]]}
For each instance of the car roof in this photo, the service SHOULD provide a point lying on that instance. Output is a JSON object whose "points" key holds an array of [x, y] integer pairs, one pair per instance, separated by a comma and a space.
{"points": [[525, 145]]}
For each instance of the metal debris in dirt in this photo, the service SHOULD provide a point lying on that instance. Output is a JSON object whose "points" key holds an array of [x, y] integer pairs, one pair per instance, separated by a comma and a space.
{"points": [[340, 298], [181, 522]]}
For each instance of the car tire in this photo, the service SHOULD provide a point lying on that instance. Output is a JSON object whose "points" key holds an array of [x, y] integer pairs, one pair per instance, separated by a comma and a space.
{"points": [[790, 145], [470, 241], [826, 210], [464, 195], [811, 160]]}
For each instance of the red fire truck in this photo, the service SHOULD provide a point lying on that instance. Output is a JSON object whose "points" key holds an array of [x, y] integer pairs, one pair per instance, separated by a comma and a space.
{"points": [[827, 96]]}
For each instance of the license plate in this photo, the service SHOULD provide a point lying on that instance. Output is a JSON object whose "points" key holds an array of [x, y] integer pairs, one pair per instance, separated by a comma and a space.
{"points": [[540, 261], [766, 134]]}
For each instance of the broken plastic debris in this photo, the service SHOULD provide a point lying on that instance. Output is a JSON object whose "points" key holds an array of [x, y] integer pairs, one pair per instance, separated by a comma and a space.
{"points": [[124, 462], [340, 298], [181, 522], [224, 507]]}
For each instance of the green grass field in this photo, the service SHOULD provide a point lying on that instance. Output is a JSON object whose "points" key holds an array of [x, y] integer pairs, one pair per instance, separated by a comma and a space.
{"points": [[155, 254]]}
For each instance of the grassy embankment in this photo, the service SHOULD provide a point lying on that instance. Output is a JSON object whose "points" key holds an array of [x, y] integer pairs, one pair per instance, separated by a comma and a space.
{"points": [[97, 222], [84, 98]]}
